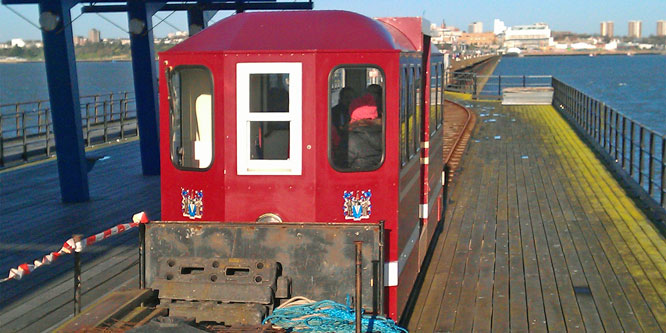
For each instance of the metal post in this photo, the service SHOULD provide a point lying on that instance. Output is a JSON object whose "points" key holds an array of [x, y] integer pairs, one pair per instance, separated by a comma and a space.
{"points": [[139, 15], [624, 135], [64, 99], [524, 83], [499, 85], [640, 155], [105, 121], [142, 255], [18, 127], [77, 276], [357, 299], [88, 123], [474, 82], [2, 145], [662, 184], [25, 138], [95, 100], [650, 161], [48, 138], [111, 106], [631, 149]]}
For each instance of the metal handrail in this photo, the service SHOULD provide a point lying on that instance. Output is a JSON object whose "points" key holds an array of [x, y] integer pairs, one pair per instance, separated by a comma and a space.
{"points": [[637, 149], [26, 129], [487, 85]]}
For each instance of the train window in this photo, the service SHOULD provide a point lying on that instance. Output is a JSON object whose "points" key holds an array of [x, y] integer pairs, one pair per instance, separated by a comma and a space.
{"points": [[410, 113], [269, 116], [440, 95], [433, 99], [356, 130], [404, 97], [191, 110], [418, 109]]}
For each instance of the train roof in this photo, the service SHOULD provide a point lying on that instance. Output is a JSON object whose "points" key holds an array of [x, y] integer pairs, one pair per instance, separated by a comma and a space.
{"points": [[333, 30]]}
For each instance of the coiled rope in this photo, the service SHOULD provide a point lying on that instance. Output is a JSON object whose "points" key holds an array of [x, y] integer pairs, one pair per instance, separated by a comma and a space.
{"points": [[300, 314]]}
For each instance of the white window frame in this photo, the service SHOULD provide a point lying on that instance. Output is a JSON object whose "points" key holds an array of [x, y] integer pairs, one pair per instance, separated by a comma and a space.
{"points": [[245, 165]]}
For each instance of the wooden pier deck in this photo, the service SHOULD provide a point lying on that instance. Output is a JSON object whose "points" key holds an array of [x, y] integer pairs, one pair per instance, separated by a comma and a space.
{"points": [[539, 236], [35, 222]]}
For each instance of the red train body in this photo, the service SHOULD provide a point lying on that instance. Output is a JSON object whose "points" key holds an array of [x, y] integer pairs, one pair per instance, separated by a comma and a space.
{"points": [[249, 128]]}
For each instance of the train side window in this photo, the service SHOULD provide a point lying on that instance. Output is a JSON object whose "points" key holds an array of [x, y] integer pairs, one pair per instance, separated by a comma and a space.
{"points": [[269, 116], [433, 99], [356, 118], [410, 113], [191, 111], [440, 95], [404, 97], [418, 109]]}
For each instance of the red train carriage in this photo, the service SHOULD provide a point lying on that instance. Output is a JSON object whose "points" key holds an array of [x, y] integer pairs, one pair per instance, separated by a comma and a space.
{"points": [[286, 137]]}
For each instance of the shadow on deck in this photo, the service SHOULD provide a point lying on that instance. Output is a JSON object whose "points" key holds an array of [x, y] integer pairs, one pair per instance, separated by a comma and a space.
{"points": [[35, 222], [539, 236]]}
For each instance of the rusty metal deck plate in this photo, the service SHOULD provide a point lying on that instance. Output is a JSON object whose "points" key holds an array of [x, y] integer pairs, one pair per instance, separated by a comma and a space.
{"points": [[319, 258]]}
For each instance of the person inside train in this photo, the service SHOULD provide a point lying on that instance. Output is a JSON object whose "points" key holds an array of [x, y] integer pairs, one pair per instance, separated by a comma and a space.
{"points": [[365, 131], [340, 119]]}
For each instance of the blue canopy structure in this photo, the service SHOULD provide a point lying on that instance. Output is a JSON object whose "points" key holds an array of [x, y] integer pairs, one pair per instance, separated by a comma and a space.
{"points": [[56, 25]]}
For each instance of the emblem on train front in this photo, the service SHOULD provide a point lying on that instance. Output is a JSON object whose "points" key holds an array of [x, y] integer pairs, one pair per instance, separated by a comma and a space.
{"points": [[192, 203], [357, 205]]}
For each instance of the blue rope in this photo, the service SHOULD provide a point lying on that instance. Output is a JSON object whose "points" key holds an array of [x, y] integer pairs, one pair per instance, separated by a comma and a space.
{"points": [[328, 316]]}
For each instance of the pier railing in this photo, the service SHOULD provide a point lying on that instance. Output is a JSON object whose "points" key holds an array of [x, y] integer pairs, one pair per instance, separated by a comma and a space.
{"points": [[26, 129], [491, 86], [637, 150]]}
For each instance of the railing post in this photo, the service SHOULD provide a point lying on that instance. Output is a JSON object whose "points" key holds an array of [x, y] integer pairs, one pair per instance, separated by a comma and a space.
{"points": [[48, 135], [2, 144], [87, 124], [25, 138], [631, 149], [662, 184], [524, 83], [122, 122], [95, 100], [39, 118], [18, 125], [142, 255], [640, 155], [111, 106], [105, 122], [499, 85], [624, 136], [650, 161]]}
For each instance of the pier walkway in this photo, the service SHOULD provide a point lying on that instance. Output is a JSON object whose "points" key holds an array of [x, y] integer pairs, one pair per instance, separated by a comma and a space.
{"points": [[539, 236], [35, 222]]}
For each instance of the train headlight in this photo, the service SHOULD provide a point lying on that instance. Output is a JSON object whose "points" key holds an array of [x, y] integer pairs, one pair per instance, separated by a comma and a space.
{"points": [[269, 218]]}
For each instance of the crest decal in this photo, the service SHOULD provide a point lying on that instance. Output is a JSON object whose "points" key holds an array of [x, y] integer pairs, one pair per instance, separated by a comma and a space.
{"points": [[357, 205], [192, 203]]}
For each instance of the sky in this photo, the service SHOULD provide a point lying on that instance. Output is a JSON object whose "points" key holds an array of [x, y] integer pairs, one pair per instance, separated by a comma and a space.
{"points": [[580, 16]]}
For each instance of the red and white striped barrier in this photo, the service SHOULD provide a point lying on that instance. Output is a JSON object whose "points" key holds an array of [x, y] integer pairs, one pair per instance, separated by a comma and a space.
{"points": [[73, 246]]}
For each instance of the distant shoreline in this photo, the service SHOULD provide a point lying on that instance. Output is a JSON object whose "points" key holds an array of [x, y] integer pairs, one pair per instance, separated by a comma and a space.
{"points": [[593, 53]]}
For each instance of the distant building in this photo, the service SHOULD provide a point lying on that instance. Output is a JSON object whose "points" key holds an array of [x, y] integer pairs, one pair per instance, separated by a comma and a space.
{"points": [[475, 28], [607, 28], [445, 35], [635, 28], [528, 36], [661, 28], [79, 40], [18, 42], [498, 27], [478, 39], [94, 36]]}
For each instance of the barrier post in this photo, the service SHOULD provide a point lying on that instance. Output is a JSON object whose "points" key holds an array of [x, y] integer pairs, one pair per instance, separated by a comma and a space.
{"points": [[142, 256], [357, 298], [77, 276]]}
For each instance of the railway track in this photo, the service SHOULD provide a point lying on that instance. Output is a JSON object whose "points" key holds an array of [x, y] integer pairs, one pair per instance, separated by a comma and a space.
{"points": [[458, 125]]}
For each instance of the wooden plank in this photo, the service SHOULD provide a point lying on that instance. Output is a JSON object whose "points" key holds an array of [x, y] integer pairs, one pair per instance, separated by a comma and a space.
{"points": [[500, 303], [433, 289], [552, 306], [447, 313], [470, 286], [617, 252], [535, 306]]}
